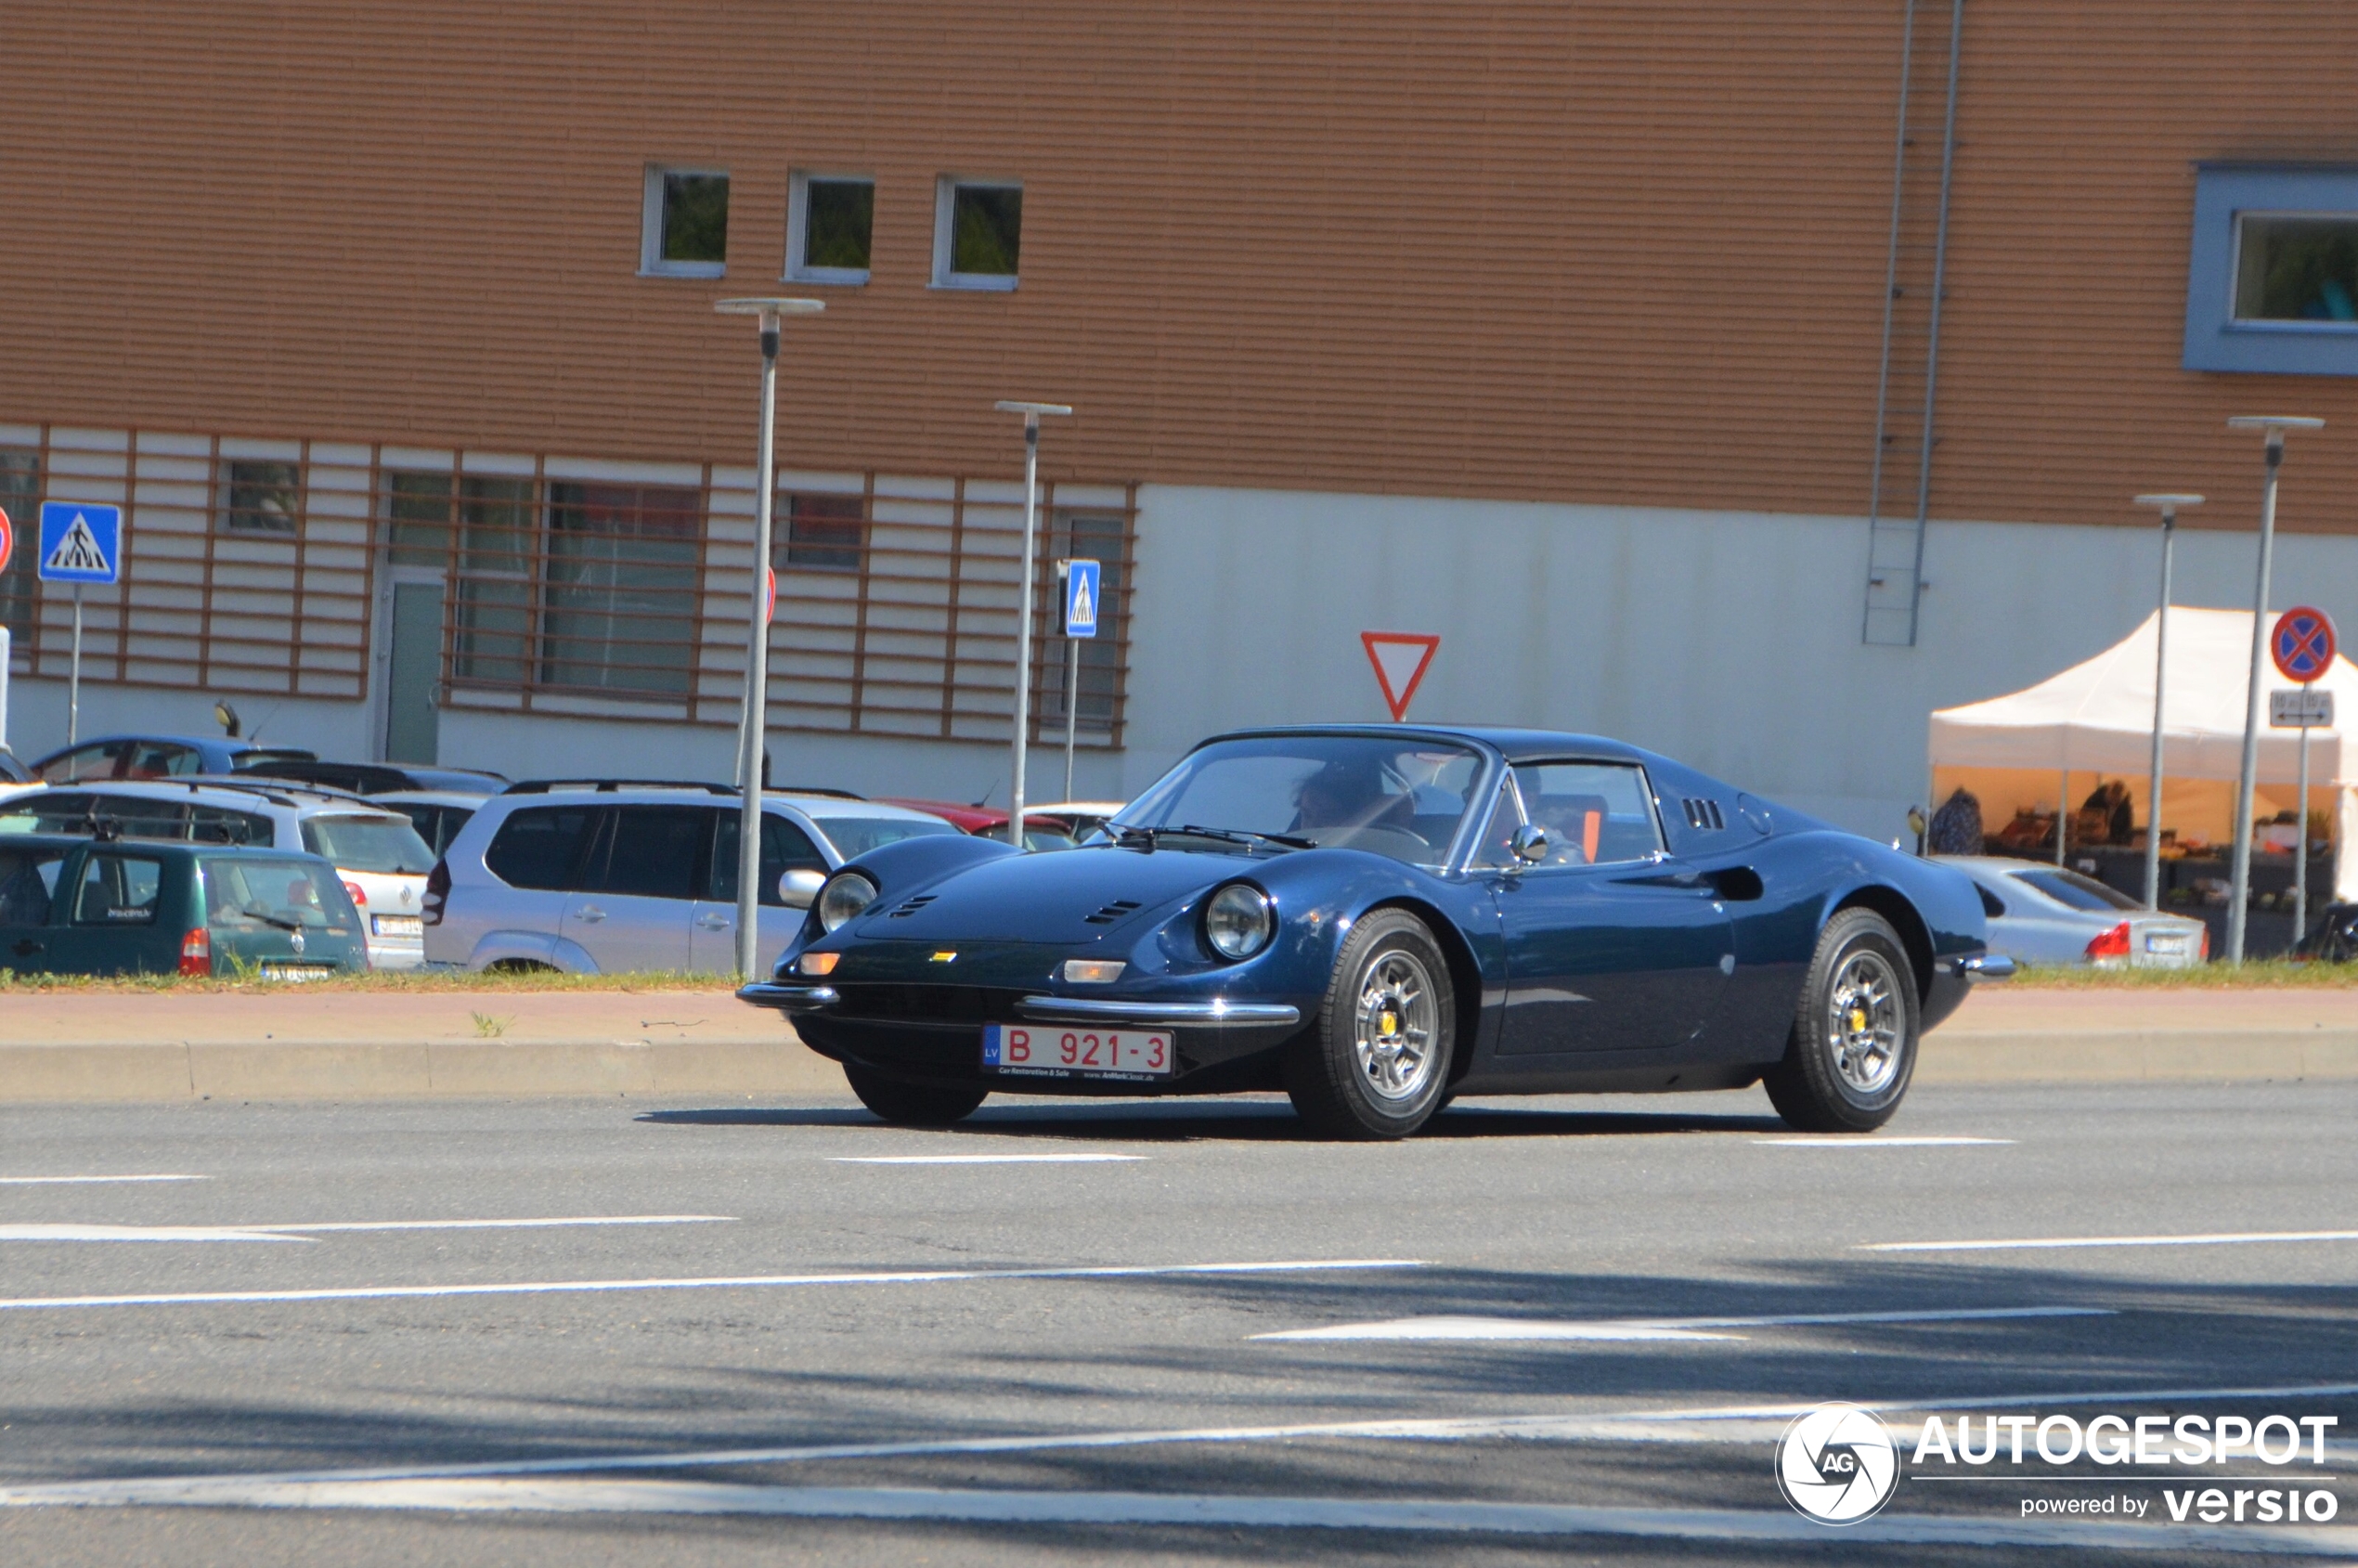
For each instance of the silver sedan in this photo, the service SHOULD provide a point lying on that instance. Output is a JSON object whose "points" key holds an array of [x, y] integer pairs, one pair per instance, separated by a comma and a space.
{"points": [[2043, 913]]}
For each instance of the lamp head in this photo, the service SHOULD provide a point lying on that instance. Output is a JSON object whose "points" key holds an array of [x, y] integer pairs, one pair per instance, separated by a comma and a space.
{"points": [[227, 716]]}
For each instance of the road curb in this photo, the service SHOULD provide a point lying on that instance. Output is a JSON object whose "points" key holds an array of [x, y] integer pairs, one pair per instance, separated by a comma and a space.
{"points": [[333, 1070]]}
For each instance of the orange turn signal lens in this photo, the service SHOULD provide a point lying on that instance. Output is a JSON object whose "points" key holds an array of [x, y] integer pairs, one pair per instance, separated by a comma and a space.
{"points": [[1093, 971], [818, 963]]}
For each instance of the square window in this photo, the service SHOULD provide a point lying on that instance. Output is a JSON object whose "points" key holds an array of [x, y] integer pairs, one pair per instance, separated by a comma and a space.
{"points": [[2296, 267], [977, 234], [829, 219], [825, 533], [2272, 275], [686, 223], [259, 496]]}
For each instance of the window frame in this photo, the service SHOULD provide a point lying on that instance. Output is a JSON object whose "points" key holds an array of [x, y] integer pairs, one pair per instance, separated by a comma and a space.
{"points": [[798, 229], [652, 263], [226, 485], [2216, 338], [1647, 794], [945, 203]]}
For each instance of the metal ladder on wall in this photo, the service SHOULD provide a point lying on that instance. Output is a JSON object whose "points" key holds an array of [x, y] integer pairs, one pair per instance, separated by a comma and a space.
{"points": [[1900, 490]]}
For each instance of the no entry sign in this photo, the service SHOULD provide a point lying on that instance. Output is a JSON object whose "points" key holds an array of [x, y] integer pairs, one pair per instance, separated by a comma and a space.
{"points": [[2303, 644], [1401, 659]]}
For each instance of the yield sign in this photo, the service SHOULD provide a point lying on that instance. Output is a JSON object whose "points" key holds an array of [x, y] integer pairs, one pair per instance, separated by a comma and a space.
{"points": [[1401, 659], [7, 541], [2303, 644]]}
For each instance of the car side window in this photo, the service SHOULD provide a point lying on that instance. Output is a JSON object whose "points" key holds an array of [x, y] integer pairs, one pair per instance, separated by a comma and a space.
{"points": [[1595, 813], [652, 852], [118, 890], [1493, 851], [1991, 905], [28, 883], [96, 761], [156, 760], [138, 817], [539, 846], [784, 847], [48, 810]]}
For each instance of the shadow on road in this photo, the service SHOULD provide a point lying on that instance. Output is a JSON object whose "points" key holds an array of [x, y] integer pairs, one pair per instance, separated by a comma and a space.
{"points": [[1260, 1121]]}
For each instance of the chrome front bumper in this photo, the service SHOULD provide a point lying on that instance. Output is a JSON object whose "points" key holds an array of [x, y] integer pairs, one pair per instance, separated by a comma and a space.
{"points": [[1983, 966], [1199, 1014], [787, 998]]}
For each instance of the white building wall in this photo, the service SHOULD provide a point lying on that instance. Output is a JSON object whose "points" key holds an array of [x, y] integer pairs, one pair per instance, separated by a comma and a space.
{"points": [[1730, 641]]}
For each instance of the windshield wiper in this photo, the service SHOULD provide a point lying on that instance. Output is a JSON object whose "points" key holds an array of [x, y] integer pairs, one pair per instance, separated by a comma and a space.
{"points": [[1125, 834], [270, 920]]}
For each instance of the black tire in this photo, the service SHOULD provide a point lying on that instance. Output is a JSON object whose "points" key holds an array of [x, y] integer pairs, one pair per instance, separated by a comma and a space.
{"points": [[1853, 1046], [905, 1104], [1389, 961]]}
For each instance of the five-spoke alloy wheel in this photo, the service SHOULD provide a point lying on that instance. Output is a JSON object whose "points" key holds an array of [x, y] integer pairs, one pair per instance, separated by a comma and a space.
{"points": [[1377, 1063], [1853, 1046]]}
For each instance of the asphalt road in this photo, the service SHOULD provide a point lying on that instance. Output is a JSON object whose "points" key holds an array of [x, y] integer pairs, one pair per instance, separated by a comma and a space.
{"points": [[1028, 1340]]}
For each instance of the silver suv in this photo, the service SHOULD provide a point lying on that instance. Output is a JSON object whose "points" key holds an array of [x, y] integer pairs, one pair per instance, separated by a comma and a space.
{"points": [[597, 876]]}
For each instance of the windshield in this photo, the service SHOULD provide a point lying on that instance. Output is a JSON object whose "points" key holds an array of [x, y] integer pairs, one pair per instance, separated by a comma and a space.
{"points": [[249, 893], [384, 845], [1400, 798], [854, 836], [2075, 891]]}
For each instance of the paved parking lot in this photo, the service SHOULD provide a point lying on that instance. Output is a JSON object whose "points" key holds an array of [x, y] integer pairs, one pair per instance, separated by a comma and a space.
{"points": [[1547, 1327]]}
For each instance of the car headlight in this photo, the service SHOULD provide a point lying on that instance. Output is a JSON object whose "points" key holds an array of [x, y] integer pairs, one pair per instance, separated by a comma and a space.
{"points": [[1238, 921], [844, 895]]}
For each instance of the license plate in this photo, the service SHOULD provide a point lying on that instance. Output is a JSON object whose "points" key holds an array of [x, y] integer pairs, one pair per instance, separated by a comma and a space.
{"points": [[397, 925], [297, 972], [1049, 1051], [2155, 943]]}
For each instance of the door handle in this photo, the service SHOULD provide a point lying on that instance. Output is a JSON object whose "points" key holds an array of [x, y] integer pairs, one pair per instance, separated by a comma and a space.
{"points": [[589, 913], [28, 947], [713, 922]]}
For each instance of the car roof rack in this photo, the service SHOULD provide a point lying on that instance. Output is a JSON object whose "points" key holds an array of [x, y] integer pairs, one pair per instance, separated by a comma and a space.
{"points": [[608, 786], [820, 790], [276, 791]]}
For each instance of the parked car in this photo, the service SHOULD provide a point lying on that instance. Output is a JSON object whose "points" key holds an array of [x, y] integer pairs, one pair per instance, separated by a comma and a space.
{"points": [[157, 757], [75, 905], [379, 856], [436, 814], [1377, 919], [600, 876], [13, 772], [1044, 827], [2045, 914], [377, 778]]}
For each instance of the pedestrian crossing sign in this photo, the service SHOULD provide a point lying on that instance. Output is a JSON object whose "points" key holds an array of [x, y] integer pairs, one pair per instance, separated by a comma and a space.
{"points": [[1080, 598], [80, 542]]}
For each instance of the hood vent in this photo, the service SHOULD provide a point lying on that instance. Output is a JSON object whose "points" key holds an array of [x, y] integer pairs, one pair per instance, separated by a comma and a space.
{"points": [[912, 907], [1112, 913]]}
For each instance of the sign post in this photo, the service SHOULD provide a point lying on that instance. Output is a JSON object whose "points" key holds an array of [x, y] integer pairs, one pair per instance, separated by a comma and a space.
{"points": [[7, 547], [2303, 646], [81, 543], [1401, 659], [1081, 579]]}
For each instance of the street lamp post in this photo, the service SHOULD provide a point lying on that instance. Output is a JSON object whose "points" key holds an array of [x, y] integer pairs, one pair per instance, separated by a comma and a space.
{"points": [[757, 691], [2239, 880], [1030, 412], [2168, 506]]}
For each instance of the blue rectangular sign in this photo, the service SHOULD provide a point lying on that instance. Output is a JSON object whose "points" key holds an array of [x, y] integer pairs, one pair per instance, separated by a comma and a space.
{"points": [[80, 542], [1080, 598]]}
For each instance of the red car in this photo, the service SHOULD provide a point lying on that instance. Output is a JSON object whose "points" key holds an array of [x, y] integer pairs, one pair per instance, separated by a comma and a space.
{"points": [[1057, 826]]}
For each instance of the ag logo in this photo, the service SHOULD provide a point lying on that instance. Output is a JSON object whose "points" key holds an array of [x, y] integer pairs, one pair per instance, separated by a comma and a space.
{"points": [[1836, 1464]]}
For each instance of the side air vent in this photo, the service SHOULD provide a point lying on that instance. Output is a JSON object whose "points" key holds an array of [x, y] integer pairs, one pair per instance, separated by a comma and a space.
{"points": [[1112, 913], [912, 907], [1704, 815]]}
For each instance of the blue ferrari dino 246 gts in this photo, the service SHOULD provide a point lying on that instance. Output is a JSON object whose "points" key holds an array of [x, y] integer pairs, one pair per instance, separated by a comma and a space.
{"points": [[1377, 920]]}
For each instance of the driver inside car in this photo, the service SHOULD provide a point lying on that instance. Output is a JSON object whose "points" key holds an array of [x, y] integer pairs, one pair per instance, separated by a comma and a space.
{"points": [[1347, 795]]}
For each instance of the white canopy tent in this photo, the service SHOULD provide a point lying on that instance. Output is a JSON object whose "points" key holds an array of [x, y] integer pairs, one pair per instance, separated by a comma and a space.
{"points": [[2097, 718]]}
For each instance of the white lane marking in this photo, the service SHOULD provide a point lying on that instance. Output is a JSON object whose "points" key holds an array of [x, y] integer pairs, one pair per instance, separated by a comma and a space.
{"points": [[75, 1181], [1876, 1143], [1532, 1328], [1724, 1424], [1422, 1516], [726, 1282], [506, 1224], [981, 1159], [2212, 1239], [140, 1233], [305, 1232]]}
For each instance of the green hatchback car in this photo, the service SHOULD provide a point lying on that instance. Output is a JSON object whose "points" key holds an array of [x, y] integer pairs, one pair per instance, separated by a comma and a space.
{"points": [[119, 906]]}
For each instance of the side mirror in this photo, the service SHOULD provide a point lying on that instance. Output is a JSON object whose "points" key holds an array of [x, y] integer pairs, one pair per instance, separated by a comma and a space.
{"points": [[797, 889], [1529, 844]]}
